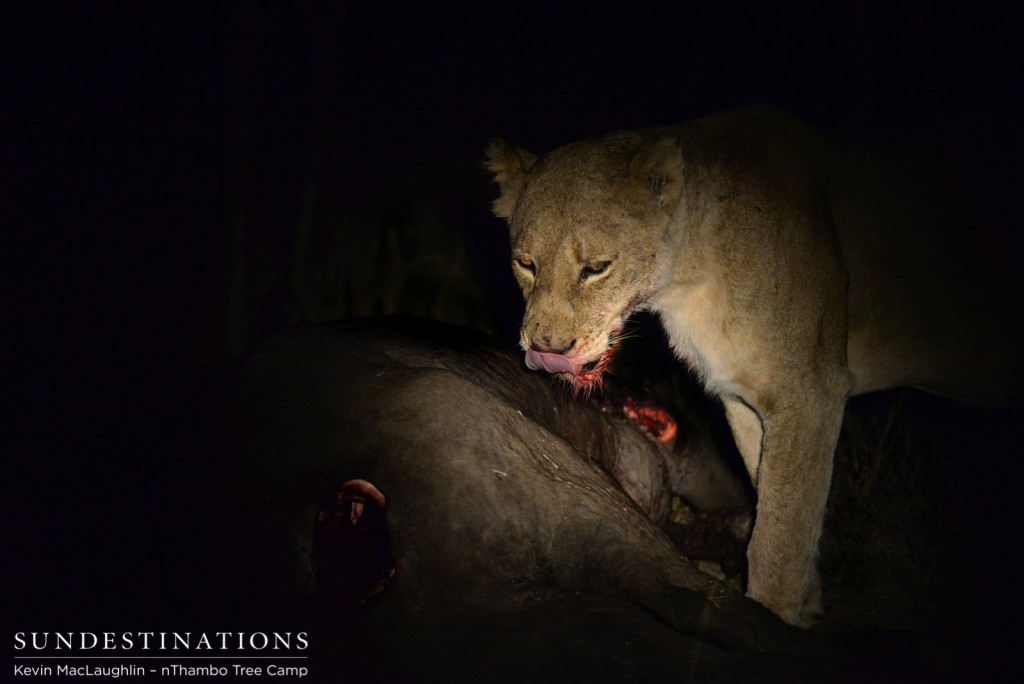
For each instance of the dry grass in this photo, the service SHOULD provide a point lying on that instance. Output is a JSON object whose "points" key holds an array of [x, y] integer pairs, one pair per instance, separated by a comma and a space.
{"points": [[918, 485]]}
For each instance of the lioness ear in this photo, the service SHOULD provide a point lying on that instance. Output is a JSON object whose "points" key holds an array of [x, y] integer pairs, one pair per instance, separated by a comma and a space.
{"points": [[509, 166], [658, 166]]}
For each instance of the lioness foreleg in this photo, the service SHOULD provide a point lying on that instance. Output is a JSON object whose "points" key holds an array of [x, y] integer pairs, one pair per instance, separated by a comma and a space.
{"points": [[793, 478]]}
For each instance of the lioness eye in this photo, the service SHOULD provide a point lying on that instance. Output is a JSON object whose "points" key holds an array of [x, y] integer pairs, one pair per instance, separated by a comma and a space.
{"points": [[594, 268], [526, 264]]}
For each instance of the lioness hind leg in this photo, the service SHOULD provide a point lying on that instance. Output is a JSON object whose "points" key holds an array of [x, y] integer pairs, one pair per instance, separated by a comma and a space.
{"points": [[748, 433], [814, 603]]}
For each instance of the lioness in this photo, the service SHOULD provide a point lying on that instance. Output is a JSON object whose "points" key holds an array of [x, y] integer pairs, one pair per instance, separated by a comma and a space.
{"points": [[788, 271]]}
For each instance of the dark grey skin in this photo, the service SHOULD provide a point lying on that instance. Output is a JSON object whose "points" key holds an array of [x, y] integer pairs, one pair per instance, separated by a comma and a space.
{"points": [[519, 557]]}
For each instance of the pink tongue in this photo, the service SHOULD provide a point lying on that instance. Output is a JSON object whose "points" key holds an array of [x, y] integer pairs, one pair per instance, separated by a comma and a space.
{"points": [[552, 363]]}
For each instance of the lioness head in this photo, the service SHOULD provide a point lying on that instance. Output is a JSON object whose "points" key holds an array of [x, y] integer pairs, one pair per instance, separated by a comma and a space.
{"points": [[588, 226]]}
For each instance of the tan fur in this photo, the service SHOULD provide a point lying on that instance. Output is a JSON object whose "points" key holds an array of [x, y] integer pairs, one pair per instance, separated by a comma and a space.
{"points": [[789, 273]]}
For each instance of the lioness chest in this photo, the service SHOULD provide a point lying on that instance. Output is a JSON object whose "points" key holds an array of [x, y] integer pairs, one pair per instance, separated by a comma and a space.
{"points": [[702, 335]]}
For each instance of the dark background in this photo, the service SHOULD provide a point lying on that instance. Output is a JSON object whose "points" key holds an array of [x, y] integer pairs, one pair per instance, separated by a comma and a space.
{"points": [[178, 178]]}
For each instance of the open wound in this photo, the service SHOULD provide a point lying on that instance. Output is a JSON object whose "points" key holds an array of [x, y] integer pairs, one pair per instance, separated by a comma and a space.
{"points": [[352, 556]]}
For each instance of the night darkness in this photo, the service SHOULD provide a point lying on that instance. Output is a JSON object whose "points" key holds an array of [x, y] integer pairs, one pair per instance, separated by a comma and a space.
{"points": [[182, 178]]}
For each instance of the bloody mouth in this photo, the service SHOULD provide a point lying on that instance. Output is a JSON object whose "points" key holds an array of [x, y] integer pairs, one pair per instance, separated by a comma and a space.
{"points": [[591, 377]]}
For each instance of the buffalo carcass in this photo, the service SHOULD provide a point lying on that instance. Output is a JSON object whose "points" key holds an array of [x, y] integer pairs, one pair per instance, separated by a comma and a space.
{"points": [[437, 510]]}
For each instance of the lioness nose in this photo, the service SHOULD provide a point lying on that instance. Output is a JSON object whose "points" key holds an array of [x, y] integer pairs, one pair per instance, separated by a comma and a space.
{"points": [[549, 348]]}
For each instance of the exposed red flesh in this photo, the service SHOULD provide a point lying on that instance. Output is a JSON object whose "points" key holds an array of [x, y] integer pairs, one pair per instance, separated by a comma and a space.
{"points": [[656, 421]]}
